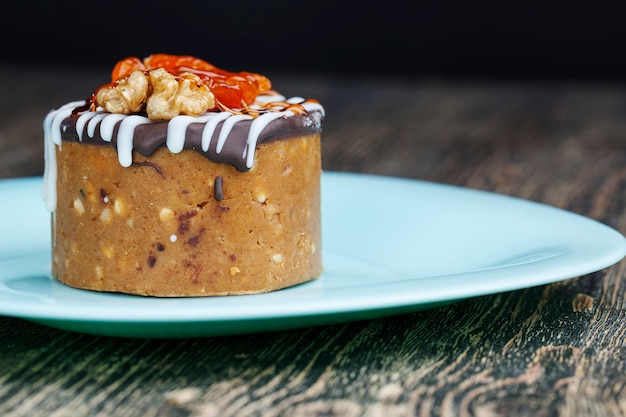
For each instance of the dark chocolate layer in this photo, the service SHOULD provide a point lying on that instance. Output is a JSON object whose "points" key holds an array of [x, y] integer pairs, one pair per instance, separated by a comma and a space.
{"points": [[147, 137]]}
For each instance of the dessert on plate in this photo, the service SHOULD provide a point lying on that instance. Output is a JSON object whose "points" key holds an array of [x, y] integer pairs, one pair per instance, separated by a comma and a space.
{"points": [[181, 179]]}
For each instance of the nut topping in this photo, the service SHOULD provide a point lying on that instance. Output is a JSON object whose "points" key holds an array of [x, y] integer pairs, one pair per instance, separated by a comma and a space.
{"points": [[157, 92], [164, 86]]}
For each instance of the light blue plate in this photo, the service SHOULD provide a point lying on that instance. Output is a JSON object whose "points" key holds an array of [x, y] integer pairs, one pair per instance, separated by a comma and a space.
{"points": [[390, 246]]}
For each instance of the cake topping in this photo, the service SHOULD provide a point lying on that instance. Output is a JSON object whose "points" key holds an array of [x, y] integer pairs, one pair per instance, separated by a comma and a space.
{"points": [[178, 102], [164, 86], [157, 93]]}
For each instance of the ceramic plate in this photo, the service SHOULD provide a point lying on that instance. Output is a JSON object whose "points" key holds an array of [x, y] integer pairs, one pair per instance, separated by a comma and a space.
{"points": [[390, 246]]}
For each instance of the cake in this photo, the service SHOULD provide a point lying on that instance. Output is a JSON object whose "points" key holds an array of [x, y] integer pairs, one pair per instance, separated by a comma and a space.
{"points": [[180, 179]]}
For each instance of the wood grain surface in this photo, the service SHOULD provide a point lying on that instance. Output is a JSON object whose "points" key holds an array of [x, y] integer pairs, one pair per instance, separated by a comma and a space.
{"points": [[553, 350]]}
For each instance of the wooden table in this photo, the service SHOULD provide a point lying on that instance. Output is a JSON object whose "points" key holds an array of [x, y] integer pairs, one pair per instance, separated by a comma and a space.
{"points": [[557, 349]]}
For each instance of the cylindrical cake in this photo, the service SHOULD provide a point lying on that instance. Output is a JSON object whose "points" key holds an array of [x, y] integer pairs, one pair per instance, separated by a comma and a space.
{"points": [[221, 203]]}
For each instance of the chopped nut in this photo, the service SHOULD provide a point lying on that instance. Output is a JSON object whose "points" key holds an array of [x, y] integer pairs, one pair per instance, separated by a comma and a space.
{"points": [[260, 197], [78, 206], [277, 258], [105, 216], [99, 272], [234, 270], [118, 206], [166, 214]]}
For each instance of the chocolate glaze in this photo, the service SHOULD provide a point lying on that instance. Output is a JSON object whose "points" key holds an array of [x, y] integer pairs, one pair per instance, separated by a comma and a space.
{"points": [[147, 138]]}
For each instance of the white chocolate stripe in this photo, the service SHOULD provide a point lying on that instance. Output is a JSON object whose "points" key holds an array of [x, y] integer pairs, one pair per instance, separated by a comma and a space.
{"points": [[52, 139], [209, 129], [107, 127], [177, 129], [125, 138], [93, 122], [227, 126], [256, 127]]}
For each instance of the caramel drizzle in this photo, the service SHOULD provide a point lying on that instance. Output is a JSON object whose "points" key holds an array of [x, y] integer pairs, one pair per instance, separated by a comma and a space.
{"points": [[269, 107]]}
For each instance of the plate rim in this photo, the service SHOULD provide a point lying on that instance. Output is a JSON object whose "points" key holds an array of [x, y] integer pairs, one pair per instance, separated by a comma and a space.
{"points": [[402, 302]]}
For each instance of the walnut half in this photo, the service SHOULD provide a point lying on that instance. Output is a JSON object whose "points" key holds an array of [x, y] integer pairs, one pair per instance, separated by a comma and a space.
{"points": [[126, 96], [162, 95], [172, 96]]}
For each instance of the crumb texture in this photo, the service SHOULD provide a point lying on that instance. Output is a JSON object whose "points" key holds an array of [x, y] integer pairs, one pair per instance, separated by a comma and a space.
{"points": [[181, 225]]}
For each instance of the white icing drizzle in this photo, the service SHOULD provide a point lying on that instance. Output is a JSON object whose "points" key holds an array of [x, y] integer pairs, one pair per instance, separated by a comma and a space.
{"points": [[52, 139], [176, 131], [82, 121], [227, 126], [125, 138], [107, 127], [93, 123], [256, 127], [313, 107], [207, 132]]}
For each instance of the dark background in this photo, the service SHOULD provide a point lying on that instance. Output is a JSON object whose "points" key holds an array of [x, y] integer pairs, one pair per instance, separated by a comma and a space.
{"points": [[496, 39]]}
